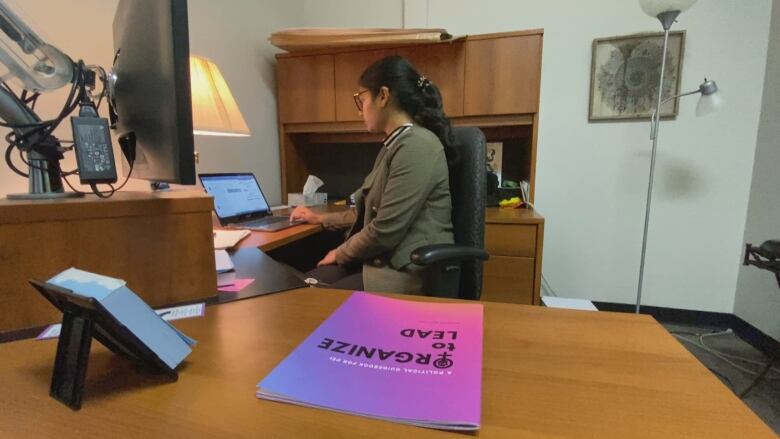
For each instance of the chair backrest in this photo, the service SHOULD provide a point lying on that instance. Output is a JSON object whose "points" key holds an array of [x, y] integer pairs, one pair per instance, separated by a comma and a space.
{"points": [[468, 190]]}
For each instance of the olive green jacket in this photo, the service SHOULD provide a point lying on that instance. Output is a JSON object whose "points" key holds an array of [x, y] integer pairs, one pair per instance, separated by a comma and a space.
{"points": [[403, 203]]}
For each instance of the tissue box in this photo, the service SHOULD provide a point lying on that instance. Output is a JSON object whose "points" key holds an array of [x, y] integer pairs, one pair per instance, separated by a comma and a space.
{"points": [[299, 199]]}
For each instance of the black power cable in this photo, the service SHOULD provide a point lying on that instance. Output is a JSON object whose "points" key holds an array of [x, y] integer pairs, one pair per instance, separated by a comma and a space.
{"points": [[77, 95], [99, 193], [45, 128]]}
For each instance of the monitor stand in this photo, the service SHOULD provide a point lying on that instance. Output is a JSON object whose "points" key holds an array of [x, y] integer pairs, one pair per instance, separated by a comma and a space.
{"points": [[41, 182]]}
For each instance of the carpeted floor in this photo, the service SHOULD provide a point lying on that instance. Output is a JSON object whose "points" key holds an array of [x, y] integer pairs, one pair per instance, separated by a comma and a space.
{"points": [[737, 364]]}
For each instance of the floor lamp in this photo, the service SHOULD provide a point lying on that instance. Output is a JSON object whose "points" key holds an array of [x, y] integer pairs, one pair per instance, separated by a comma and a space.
{"points": [[667, 11]]}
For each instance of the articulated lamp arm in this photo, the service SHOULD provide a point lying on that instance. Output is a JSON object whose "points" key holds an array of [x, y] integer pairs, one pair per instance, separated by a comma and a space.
{"points": [[38, 66], [707, 88]]}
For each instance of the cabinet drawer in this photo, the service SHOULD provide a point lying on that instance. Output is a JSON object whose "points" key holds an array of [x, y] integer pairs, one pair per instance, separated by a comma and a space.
{"points": [[510, 240], [509, 280]]}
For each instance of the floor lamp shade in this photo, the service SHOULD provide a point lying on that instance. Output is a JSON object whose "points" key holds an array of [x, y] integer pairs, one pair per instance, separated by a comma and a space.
{"points": [[655, 7], [708, 104], [214, 111]]}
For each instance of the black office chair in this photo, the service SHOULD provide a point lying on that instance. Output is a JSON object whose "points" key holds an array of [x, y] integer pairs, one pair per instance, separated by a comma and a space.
{"points": [[456, 269], [766, 256]]}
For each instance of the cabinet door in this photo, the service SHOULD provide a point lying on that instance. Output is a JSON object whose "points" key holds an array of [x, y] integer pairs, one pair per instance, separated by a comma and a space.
{"points": [[503, 75], [349, 67], [508, 279], [444, 65], [305, 89]]}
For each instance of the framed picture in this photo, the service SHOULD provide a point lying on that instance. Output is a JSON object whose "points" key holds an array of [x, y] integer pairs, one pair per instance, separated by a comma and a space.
{"points": [[495, 153], [625, 72]]}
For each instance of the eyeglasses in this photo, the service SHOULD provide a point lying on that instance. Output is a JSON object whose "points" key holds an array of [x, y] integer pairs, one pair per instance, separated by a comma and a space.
{"points": [[358, 102]]}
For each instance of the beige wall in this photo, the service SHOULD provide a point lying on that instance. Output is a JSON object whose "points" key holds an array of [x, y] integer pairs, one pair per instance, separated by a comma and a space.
{"points": [[758, 294], [232, 33], [351, 13]]}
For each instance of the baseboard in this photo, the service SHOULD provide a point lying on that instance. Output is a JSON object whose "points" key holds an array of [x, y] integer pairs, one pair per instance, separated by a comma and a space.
{"points": [[716, 320], [757, 338]]}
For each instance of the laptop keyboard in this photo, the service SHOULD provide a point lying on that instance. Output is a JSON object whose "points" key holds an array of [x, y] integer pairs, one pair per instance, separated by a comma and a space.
{"points": [[266, 221]]}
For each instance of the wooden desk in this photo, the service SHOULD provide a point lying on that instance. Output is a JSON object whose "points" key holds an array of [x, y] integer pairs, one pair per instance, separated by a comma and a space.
{"points": [[267, 241], [547, 373], [160, 243]]}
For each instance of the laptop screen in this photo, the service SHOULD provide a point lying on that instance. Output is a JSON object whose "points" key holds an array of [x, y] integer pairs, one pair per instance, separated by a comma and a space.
{"points": [[234, 194]]}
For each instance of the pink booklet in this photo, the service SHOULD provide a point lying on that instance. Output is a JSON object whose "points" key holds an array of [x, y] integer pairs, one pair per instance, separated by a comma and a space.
{"points": [[410, 362]]}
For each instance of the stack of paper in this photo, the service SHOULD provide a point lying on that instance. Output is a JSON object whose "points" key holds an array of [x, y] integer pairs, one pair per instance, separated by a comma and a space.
{"points": [[226, 274], [224, 239], [224, 263]]}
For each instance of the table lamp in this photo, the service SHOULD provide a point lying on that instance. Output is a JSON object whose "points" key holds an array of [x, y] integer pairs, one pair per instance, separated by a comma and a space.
{"points": [[214, 111]]}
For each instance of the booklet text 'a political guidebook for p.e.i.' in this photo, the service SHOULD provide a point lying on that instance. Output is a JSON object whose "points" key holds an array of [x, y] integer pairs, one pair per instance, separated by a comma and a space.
{"points": [[404, 361]]}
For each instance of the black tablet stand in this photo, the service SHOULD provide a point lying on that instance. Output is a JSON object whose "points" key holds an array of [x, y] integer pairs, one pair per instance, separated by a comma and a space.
{"points": [[84, 318]]}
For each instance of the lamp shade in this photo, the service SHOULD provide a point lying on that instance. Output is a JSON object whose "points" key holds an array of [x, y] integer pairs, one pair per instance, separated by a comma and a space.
{"points": [[709, 104], [214, 111], [655, 7], [710, 100]]}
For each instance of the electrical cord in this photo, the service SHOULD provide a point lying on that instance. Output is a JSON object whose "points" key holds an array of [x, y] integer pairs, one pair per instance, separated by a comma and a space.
{"points": [[101, 72], [720, 356], [77, 95], [701, 337], [755, 382], [45, 128], [62, 173], [98, 192], [734, 357], [8, 151], [758, 376]]}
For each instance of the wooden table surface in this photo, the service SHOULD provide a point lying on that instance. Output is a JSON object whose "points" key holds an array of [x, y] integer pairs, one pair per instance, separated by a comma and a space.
{"points": [[547, 373], [267, 241]]}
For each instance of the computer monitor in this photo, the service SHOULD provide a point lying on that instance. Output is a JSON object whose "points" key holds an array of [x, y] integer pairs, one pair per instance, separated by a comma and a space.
{"points": [[151, 94]]}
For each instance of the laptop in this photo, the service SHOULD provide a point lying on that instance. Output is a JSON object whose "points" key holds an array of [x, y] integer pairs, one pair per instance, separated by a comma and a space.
{"points": [[239, 202]]}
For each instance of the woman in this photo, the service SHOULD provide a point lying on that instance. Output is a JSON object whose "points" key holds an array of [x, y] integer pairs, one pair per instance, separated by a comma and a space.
{"points": [[404, 202]]}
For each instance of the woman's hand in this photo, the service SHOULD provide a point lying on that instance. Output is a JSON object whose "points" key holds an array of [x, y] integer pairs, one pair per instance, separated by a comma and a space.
{"points": [[306, 214], [329, 259]]}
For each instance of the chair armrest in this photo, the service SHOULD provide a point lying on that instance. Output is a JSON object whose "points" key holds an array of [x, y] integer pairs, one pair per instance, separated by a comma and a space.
{"points": [[438, 253]]}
